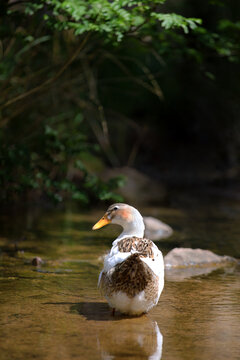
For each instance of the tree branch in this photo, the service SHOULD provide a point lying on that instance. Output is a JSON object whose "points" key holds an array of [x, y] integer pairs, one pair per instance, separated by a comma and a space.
{"points": [[49, 81]]}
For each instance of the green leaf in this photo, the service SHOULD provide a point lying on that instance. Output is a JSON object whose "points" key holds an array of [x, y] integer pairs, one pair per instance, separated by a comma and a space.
{"points": [[170, 21]]}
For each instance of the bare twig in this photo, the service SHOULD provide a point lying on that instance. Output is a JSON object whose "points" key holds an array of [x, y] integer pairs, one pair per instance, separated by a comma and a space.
{"points": [[17, 2], [102, 134], [134, 78], [69, 83], [149, 75], [49, 81], [93, 94], [90, 108]]}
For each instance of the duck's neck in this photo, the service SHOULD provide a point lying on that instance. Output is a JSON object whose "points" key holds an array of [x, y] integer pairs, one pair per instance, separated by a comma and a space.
{"points": [[134, 228]]}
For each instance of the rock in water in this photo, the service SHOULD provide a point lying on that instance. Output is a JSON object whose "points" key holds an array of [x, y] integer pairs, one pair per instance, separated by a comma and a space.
{"points": [[156, 229], [185, 257], [37, 261], [183, 263]]}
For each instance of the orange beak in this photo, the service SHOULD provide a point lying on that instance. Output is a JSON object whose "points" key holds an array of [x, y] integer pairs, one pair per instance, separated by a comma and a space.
{"points": [[102, 222]]}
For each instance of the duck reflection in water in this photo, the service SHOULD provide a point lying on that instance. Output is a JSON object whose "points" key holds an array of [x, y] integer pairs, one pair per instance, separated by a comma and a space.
{"points": [[130, 339]]}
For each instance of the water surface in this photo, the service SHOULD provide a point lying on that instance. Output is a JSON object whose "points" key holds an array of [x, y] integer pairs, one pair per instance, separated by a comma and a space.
{"points": [[56, 312]]}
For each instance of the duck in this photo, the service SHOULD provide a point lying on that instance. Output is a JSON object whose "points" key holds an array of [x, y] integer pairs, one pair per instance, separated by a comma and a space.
{"points": [[132, 277]]}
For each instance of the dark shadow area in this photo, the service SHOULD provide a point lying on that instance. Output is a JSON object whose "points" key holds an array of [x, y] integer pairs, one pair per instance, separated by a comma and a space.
{"points": [[98, 311]]}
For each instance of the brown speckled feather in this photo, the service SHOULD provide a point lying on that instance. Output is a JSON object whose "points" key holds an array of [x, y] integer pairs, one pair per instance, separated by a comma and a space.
{"points": [[132, 275], [142, 246]]}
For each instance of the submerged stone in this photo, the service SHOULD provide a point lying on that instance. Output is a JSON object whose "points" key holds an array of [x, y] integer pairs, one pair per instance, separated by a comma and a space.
{"points": [[37, 261], [186, 257], [183, 263]]}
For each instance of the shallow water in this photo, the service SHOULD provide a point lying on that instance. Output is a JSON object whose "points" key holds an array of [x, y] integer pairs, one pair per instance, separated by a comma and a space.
{"points": [[56, 312]]}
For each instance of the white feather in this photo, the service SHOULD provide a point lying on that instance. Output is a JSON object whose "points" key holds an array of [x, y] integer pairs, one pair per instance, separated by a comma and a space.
{"points": [[134, 306]]}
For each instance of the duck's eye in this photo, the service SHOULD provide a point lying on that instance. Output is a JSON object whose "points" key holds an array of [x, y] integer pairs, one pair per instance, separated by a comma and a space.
{"points": [[115, 208]]}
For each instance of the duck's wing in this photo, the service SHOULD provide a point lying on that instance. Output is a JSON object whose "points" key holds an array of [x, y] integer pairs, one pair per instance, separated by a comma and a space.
{"points": [[148, 252], [133, 265]]}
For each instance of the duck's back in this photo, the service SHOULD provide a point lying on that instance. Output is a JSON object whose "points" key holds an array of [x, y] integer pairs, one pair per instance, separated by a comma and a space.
{"points": [[133, 275]]}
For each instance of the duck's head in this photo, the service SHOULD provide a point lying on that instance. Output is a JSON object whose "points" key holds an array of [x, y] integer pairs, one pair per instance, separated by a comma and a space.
{"points": [[126, 216]]}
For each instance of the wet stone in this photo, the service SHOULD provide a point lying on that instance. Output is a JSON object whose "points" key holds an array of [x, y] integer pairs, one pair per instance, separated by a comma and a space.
{"points": [[184, 257], [155, 229], [37, 261]]}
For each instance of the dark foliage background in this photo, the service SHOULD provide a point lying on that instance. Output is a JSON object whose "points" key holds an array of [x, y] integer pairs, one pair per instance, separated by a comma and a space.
{"points": [[83, 89]]}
